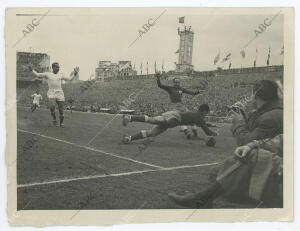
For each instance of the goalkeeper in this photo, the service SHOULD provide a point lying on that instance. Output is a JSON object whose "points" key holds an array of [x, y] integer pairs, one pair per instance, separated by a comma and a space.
{"points": [[168, 120]]}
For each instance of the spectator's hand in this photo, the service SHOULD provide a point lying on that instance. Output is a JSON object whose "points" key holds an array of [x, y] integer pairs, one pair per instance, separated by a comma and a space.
{"points": [[242, 151]]}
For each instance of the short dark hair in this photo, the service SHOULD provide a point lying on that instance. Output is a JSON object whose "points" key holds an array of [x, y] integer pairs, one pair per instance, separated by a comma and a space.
{"points": [[266, 90], [204, 107], [56, 63]]}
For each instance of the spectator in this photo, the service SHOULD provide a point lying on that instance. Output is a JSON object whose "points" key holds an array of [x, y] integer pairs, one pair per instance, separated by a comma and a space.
{"points": [[263, 179], [265, 122]]}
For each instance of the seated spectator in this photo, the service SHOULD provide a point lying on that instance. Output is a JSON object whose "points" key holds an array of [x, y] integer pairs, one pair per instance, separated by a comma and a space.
{"points": [[265, 122], [262, 173]]}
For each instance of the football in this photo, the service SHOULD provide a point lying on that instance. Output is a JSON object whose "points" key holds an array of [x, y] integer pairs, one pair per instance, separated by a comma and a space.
{"points": [[210, 142]]}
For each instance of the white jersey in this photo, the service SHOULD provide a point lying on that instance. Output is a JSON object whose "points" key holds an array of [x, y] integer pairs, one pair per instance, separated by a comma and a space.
{"points": [[37, 98], [54, 83]]}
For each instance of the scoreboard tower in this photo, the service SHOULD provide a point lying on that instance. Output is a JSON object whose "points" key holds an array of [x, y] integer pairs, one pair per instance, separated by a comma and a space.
{"points": [[185, 51]]}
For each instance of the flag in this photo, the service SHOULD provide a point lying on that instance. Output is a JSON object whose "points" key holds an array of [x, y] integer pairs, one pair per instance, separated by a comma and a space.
{"points": [[243, 54], [254, 63], [147, 67], [282, 50], [217, 58], [268, 60], [226, 58], [177, 51], [181, 19]]}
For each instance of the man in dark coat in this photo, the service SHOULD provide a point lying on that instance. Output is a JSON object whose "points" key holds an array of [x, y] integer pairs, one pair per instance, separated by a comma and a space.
{"points": [[234, 177], [266, 121]]}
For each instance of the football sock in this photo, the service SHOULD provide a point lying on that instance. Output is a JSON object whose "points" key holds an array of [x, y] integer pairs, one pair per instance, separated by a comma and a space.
{"points": [[61, 119], [53, 115]]}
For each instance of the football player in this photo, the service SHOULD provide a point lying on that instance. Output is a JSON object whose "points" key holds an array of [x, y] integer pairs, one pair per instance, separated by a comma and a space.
{"points": [[55, 92], [168, 120]]}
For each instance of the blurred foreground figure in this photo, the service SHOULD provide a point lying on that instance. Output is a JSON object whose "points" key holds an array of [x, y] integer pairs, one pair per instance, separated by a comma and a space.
{"points": [[252, 177], [259, 166]]}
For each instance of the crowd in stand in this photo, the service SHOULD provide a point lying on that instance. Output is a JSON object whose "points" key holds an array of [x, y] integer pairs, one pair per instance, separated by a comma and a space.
{"points": [[221, 91]]}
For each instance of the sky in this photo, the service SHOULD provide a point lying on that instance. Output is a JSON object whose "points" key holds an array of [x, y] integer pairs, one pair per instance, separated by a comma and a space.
{"points": [[83, 37]]}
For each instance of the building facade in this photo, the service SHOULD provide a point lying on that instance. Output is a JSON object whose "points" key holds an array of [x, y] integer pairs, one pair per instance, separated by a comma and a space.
{"points": [[107, 70], [39, 62]]}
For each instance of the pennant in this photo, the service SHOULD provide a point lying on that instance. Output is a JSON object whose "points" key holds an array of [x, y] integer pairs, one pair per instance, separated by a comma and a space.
{"points": [[243, 53], [226, 58], [268, 60], [217, 58], [282, 50], [181, 19]]}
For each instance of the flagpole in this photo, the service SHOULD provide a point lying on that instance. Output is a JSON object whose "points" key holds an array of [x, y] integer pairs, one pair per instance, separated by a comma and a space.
{"points": [[256, 54]]}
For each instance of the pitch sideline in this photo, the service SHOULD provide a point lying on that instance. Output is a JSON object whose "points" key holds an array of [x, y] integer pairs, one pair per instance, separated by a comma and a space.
{"points": [[91, 149], [66, 180]]}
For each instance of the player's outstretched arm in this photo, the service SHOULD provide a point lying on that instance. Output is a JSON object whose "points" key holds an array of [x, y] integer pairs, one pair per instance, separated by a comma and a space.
{"points": [[37, 75], [191, 92], [71, 76], [159, 84]]}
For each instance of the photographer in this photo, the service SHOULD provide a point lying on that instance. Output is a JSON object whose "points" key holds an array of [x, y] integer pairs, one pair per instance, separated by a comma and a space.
{"points": [[239, 177], [267, 118]]}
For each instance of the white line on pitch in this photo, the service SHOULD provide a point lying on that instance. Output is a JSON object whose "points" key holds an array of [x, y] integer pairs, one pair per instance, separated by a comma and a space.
{"points": [[114, 175], [92, 149]]}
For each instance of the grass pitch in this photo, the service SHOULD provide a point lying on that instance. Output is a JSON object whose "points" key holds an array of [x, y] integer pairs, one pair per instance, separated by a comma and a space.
{"points": [[85, 165]]}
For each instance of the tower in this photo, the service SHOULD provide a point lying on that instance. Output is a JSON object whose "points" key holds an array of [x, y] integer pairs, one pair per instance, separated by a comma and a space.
{"points": [[185, 51]]}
